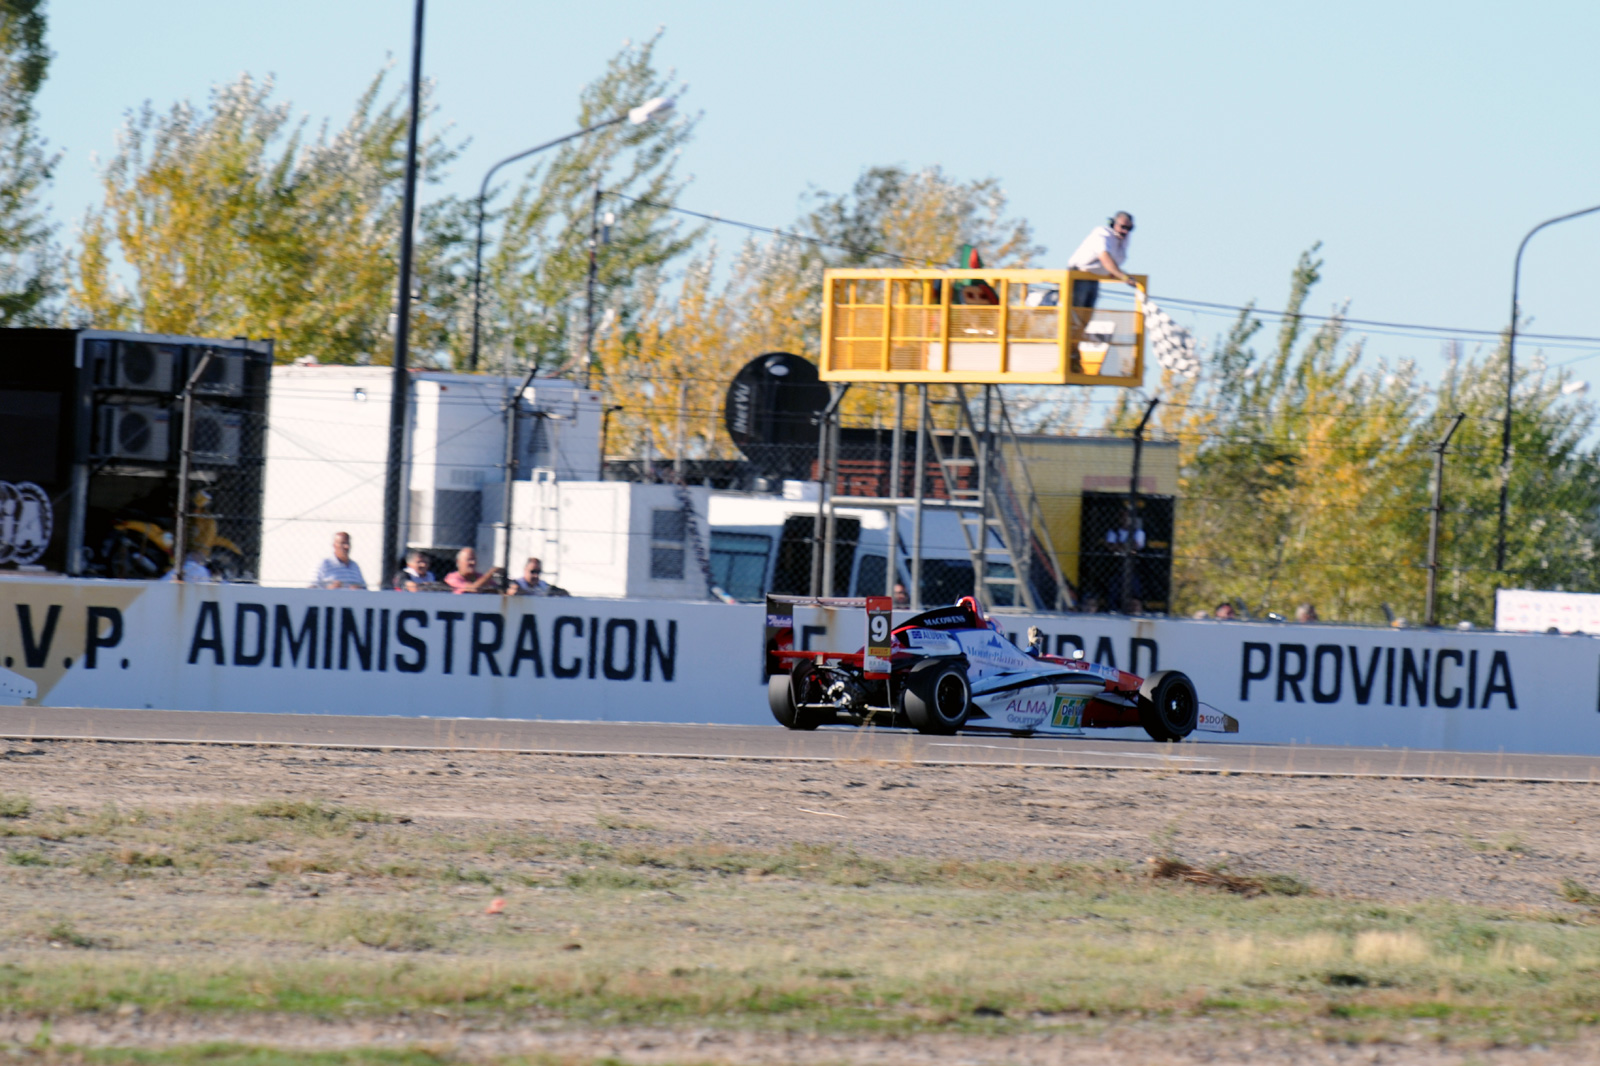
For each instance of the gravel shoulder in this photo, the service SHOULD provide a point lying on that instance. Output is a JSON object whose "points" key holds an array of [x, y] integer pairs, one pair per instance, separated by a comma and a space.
{"points": [[1454, 857], [1474, 842]]}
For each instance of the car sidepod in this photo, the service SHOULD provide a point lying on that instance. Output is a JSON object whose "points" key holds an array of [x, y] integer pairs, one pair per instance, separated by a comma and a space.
{"points": [[1015, 692]]}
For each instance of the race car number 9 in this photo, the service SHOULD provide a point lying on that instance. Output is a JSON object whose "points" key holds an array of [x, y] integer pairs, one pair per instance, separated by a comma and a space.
{"points": [[878, 629]]}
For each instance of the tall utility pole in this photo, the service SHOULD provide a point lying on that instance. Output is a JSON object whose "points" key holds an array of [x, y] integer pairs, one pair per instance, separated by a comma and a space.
{"points": [[1511, 380], [398, 407], [1433, 520], [588, 296]]}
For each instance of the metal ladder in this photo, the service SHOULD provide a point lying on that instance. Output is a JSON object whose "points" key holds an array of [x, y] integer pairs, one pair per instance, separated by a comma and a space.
{"points": [[544, 539], [994, 509]]}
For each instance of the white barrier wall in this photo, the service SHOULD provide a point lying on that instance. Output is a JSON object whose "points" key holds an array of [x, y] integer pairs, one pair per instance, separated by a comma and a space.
{"points": [[243, 648]]}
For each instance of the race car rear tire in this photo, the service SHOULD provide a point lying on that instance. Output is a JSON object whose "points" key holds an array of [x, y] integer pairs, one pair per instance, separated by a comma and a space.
{"points": [[1169, 708], [782, 690], [938, 698]]}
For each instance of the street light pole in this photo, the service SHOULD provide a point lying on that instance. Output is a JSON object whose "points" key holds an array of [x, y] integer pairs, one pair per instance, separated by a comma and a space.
{"points": [[645, 112], [398, 406], [1432, 618], [1511, 373]]}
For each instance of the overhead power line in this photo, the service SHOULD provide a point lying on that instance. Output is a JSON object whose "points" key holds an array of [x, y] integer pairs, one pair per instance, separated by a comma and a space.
{"points": [[1178, 300], [788, 234]]}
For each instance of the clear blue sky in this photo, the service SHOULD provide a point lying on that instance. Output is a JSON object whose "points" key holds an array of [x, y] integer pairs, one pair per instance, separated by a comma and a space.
{"points": [[1417, 141]]}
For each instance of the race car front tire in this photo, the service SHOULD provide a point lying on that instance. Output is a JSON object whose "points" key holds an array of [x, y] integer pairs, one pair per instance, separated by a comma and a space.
{"points": [[783, 695], [1169, 709], [938, 698]]}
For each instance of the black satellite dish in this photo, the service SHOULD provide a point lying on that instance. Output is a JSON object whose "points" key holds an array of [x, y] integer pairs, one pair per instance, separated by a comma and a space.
{"points": [[771, 412]]}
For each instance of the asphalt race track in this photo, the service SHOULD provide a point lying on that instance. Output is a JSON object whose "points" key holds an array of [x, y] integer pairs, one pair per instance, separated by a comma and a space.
{"points": [[774, 743]]}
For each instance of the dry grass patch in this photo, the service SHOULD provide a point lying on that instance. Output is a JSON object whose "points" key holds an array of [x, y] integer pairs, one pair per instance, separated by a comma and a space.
{"points": [[285, 905], [1170, 868]]}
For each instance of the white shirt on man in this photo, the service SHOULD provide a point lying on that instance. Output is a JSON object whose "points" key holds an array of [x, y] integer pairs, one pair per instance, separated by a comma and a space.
{"points": [[1117, 537], [1100, 239], [537, 587], [194, 571], [348, 575]]}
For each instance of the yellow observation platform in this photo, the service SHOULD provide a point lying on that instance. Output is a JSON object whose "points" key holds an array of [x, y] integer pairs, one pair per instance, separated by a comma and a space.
{"points": [[977, 326]]}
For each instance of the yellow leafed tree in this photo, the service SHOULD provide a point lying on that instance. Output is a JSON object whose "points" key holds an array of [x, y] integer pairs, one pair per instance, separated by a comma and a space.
{"points": [[230, 222]]}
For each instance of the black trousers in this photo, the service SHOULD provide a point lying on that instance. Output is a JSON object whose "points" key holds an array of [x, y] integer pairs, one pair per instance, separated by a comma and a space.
{"points": [[1085, 293]]}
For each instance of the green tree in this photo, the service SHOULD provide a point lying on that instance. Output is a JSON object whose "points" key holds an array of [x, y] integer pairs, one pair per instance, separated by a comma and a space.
{"points": [[1299, 471], [29, 274], [923, 216], [1553, 532], [1306, 475], [536, 274], [232, 221]]}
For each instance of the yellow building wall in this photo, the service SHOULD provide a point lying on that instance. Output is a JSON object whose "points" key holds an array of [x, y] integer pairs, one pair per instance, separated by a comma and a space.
{"points": [[1062, 469]]}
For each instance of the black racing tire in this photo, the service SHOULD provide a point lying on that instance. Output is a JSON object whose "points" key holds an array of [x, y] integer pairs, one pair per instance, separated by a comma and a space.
{"points": [[1169, 708], [782, 690], [937, 698]]}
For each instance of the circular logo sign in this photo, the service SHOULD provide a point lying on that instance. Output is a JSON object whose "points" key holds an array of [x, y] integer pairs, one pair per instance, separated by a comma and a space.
{"points": [[26, 521]]}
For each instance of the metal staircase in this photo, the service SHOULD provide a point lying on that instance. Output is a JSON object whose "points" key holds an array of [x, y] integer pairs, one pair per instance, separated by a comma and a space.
{"points": [[998, 515]]}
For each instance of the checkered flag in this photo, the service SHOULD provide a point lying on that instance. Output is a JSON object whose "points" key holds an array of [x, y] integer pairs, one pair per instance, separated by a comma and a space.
{"points": [[1173, 345]]}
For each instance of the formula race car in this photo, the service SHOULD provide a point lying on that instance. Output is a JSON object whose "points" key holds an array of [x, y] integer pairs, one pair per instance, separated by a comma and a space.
{"points": [[951, 669]]}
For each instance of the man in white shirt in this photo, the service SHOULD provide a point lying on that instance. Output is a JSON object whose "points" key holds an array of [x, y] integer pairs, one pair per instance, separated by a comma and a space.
{"points": [[417, 573], [1101, 252], [532, 582], [339, 572], [1124, 540]]}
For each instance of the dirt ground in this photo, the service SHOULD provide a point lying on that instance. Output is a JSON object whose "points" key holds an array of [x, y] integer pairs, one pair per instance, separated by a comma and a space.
{"points": [[1503, 844], [1496, 844]]}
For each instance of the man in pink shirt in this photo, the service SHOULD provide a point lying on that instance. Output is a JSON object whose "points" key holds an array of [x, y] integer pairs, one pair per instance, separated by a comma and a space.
{"points": [[466, 577]]}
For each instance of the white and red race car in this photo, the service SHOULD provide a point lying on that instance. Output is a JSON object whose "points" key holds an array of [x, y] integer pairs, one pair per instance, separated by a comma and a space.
{"points": [[951, 669]]}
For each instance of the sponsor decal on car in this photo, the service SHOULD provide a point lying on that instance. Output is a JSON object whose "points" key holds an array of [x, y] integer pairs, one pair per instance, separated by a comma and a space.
{"points": [[1068, 711], [994, 651], [1211, 720], [1099, 670], [780, 621], [1025, 712], [935, 641]]}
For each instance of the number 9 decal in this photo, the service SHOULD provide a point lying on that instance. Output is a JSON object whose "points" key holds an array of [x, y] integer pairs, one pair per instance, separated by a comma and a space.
{"points": [[878, 628]]}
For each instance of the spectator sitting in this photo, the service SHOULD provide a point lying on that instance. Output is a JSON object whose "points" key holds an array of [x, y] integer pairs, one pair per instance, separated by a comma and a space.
{"points": [[902, 599], [339, 572], [466, 577], [531, 583], [416, 575], [1306, 612], [1226, 612], [194, 568]]}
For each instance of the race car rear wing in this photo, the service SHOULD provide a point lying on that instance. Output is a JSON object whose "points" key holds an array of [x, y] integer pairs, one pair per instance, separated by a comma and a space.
{"points": [[833, 614]]}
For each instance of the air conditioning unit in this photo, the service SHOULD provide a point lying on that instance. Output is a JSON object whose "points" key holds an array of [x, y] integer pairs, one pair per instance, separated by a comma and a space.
{"points": [[224, 375], [134, 431], [216, 436], [146, 366]]}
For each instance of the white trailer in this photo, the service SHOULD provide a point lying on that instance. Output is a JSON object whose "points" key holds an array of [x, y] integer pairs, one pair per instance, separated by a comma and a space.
{"points": [[327, 448]]}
